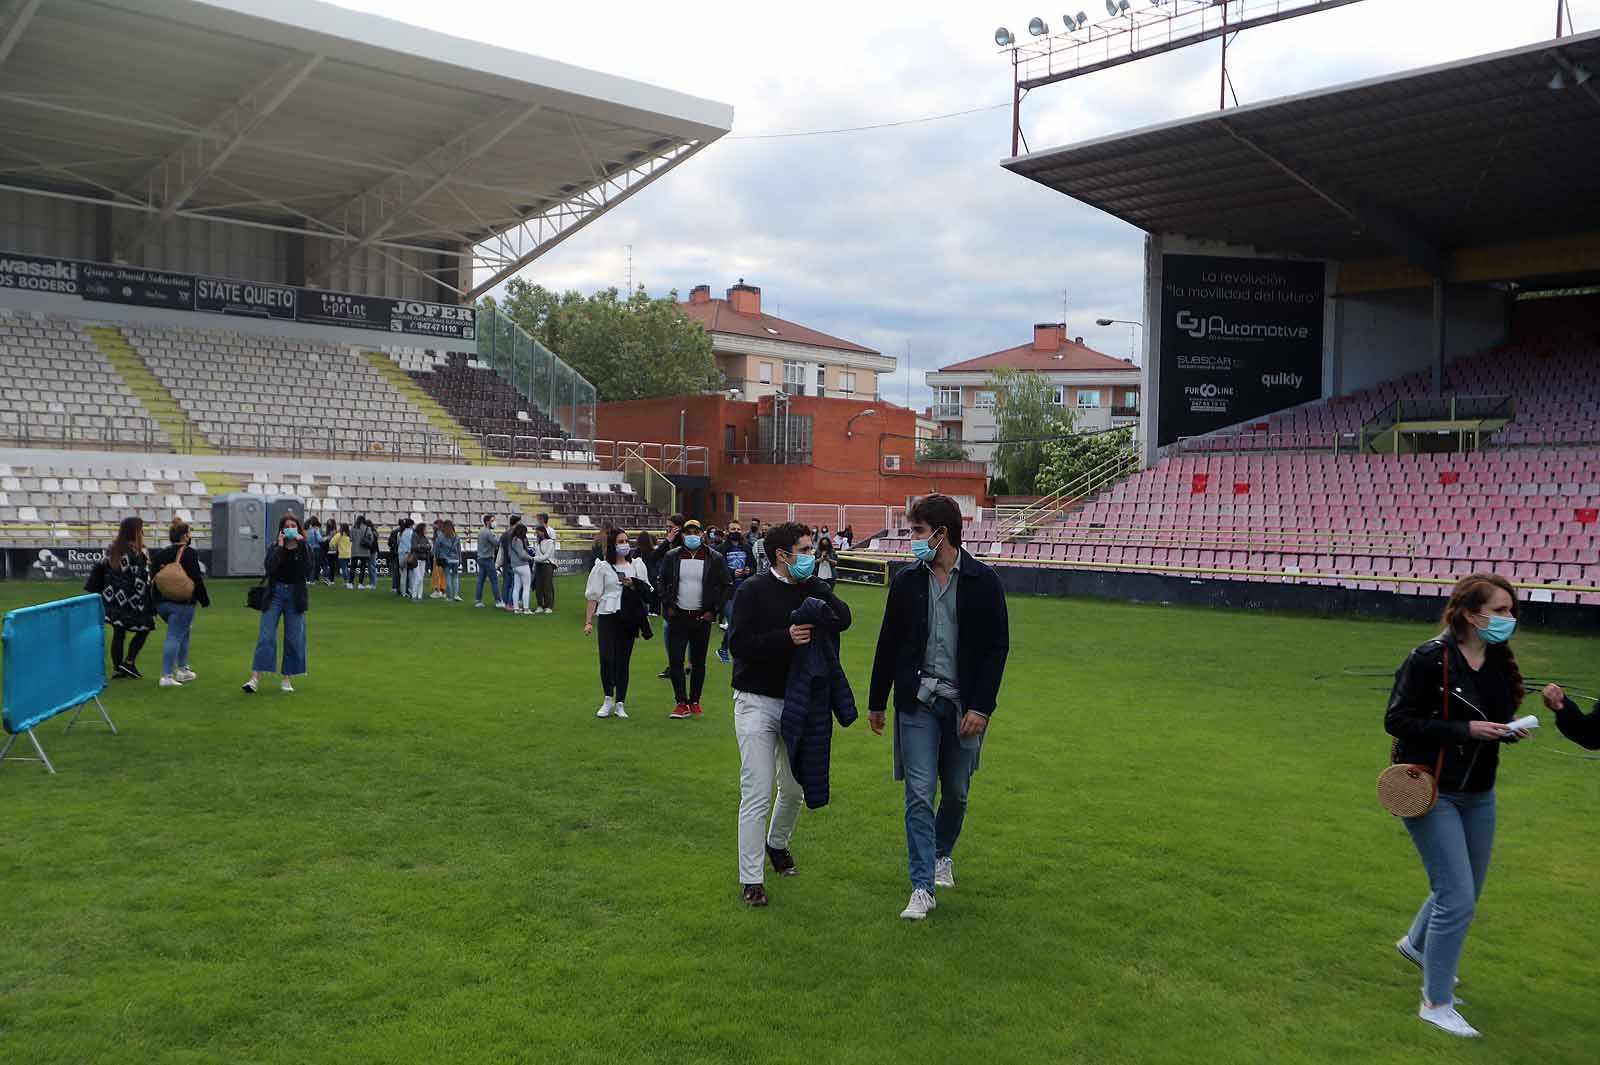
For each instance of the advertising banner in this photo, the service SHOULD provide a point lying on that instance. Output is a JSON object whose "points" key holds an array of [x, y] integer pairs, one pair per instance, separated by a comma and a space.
{"points": [[67, 565], [36, 274], [136, 286], [1240, 338], [252, 299]]}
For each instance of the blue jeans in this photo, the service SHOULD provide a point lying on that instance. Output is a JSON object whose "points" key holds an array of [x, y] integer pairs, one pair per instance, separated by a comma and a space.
{"points": [[508, 586], [180, 621], [452, 579], [1454, 839], [486, 572], [935, 758], [281, 605]]}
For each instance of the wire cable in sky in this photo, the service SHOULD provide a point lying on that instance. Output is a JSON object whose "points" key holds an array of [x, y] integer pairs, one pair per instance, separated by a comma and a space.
{"points": [[859, 129]]}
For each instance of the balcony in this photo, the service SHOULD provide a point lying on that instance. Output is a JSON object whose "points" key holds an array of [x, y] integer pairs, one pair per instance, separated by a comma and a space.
{"points": [[947, 412], [1124, 412]]}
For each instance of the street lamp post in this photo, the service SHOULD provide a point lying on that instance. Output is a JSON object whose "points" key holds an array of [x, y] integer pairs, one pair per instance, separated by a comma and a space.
{"points": [[1123, 321], [849, 426]]}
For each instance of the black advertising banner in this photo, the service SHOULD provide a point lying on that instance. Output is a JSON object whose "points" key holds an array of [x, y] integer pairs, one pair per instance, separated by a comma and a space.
{"points": [[253, 299], [1240, 338], [432, 319], [34, 273], [343, 309], [137, 286], [71, 565]]}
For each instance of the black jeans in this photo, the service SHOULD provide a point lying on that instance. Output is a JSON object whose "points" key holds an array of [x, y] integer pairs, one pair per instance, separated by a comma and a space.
{"points": [[693, 632], [359, 568], [394, 571], [616, 651], [118, 634], [544, 584]]}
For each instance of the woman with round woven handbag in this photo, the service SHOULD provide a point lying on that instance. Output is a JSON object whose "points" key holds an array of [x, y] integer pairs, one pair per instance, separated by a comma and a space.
{"points": [[180, 590], [1449, 712]]}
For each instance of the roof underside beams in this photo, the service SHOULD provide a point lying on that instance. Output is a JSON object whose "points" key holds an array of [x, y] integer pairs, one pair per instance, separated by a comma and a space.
{"points": [[228, 116]]}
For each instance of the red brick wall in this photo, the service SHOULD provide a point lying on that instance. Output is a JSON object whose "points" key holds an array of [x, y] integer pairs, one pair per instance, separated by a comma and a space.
{"points": [[843, 469]]}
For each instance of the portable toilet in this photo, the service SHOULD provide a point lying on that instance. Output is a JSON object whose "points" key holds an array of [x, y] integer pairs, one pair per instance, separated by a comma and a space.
{"points": [[238, 535]]}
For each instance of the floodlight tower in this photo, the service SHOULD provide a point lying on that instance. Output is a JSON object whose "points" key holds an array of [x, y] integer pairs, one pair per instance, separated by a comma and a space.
{"points": [[1134, 30]]}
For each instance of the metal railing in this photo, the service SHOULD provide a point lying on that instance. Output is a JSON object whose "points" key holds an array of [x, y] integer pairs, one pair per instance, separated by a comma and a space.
{"points": [[1464, 414], [87, 432], [1022, 520], [649, 483], [947, 411]]}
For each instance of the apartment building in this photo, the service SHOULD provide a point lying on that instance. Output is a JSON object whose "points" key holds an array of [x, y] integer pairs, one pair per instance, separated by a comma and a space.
{"points": [[1101, 391], [760, 354]]}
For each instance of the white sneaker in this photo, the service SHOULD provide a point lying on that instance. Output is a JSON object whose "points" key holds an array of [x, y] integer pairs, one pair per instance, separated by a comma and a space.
{"points": [[286, 686], [478, 604], [1446, 1018], [348, 586], [169, 681], [185, 675], [944, 872], [922, 903], [618, 711], [605, 709]]}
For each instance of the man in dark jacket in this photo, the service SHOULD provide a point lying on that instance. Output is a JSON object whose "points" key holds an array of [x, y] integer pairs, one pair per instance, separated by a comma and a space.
{"points": [[943, 649], [1582, 729], [694, 584], [764, 639], [673, 539]]}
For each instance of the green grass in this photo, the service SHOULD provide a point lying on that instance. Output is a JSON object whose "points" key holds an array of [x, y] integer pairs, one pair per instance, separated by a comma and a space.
{"points": [[434, 852]]}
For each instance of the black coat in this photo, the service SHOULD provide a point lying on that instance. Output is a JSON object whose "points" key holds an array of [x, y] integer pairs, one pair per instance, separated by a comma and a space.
{"points": [[1584, 730], [818, 691], [191, 568], [1416, 714], [983, 639], [716, 589], [292, 568]]}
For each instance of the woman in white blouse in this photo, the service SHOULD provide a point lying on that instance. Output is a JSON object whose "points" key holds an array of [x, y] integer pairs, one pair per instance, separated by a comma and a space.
{"points": [[617, 593]]}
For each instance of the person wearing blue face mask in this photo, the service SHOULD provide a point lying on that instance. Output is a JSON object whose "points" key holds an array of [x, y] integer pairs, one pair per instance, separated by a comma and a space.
{"points": [[289, 567], [1467, 724], [694, 584], [942, 649], [763, 636]]}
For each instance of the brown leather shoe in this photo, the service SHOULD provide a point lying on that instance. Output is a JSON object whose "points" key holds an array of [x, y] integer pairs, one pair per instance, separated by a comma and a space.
{"points": [[755, 895]]}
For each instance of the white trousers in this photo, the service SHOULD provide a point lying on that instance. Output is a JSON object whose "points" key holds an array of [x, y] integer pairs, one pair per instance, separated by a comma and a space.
{"points": [[524, 575], [763, 762], [416, 577]]}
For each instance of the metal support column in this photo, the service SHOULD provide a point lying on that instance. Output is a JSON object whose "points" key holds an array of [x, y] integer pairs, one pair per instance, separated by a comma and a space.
{"points": [[1438, 336]]}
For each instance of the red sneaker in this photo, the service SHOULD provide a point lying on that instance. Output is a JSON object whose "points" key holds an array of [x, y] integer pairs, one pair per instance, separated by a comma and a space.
{"points": [[694, 708], [679, 712]]}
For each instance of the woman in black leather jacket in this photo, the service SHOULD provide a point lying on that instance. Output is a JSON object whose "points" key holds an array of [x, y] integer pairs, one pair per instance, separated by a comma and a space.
{"points": [[1455, 837]]}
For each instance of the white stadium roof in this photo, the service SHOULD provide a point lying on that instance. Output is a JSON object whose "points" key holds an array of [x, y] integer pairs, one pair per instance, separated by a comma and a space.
{"points": [[345, 127]]}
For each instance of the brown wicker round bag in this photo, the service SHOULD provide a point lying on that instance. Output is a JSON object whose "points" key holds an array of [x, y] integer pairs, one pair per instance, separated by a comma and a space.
{"points": [[1409, 790]]}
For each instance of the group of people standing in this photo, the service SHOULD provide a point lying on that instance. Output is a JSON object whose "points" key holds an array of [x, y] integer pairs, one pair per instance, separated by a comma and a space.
{"points": [[518, 564]]}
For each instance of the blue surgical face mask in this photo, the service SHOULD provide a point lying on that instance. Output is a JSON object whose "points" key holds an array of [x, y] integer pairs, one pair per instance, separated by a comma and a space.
{"points": [[801, 567], [1499, 629], [291, 533], [692, 542], [924, 550]]}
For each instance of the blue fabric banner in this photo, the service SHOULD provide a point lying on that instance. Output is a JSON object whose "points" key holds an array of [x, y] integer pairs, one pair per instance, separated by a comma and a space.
{"points": [[55, 657]]}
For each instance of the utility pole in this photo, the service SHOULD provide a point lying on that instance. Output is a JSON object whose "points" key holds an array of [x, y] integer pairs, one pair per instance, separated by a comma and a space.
{"points": [[1063, 311], [908, 375], [630, 270]]}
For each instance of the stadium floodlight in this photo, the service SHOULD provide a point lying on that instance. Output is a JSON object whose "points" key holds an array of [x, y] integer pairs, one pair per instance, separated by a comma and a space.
{"points": [[1558, 82], [1580, 75], [1003, 38], [1038, 27], [1073, 24], [1116, 7]]}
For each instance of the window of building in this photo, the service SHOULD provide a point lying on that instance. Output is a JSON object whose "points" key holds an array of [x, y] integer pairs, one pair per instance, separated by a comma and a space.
{"points": [[727, 502], [1058, 395], [794, 378], [1130, 400], [983, 400], [1088, 398], [950, 398], [847, 383], [764, 372]]}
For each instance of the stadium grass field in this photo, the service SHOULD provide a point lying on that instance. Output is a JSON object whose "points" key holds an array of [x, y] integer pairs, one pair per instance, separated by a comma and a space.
{"points": [[434, 852]]}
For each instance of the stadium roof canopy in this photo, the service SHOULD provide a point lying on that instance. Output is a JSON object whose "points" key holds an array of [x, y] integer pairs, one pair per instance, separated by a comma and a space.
{"points": [[329, 123], [1416, 164]]}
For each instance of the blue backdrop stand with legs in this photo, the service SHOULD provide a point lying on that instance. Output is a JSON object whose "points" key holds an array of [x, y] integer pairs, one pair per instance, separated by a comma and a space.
{"points": [[55, 657]]}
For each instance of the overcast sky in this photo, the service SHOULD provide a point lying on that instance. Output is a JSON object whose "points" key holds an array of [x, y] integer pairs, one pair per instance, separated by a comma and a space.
{"points": [[915, 236]]}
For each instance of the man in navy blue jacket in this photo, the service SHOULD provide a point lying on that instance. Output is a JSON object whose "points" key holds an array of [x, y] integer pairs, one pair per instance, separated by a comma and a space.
{"points": [[943, 649]]}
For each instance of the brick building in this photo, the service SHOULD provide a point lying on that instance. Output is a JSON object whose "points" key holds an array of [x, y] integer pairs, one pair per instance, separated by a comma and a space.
{"points": [[760, 354], [822, 450]]}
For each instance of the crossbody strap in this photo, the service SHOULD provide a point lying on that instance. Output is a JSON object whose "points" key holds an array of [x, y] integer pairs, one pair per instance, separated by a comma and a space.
{"points": [[1438, 765]]}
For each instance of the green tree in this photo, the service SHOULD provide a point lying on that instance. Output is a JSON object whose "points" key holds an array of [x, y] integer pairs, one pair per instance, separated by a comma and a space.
{"points": [[941, 449], [633, 348], [1069, 461], [1024, 418]]}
